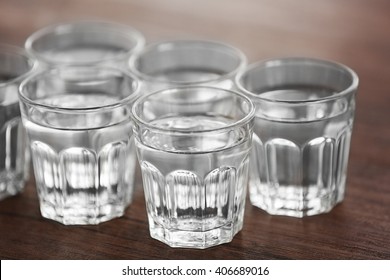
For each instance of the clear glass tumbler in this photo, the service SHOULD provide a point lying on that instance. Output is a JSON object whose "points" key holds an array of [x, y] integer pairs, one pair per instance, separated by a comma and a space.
{"points": [[193, 147], [15, 65], [79, 125], [187, 62], [84, 43], [304, 115]]}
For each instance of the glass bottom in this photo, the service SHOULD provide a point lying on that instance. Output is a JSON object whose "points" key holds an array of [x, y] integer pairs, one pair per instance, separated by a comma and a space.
{"points": [[293, 206], [81, 215], [194, 239], [11, 184]]}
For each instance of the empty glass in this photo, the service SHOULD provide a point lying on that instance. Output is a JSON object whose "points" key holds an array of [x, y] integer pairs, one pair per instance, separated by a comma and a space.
{"points": [[304, 115], [78, 121], [193, 148], [15, 65], [187, 62], [84, 43]]}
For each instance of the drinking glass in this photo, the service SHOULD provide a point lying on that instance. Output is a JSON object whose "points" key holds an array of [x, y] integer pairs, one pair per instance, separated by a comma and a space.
{"points": [[84, 43], [304, 115], [15, 65], [78, 121], [179, 63], [193, 148]]}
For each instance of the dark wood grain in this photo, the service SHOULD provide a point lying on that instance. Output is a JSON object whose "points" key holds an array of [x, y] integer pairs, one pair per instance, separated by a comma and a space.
{"points": [[352, 32]]}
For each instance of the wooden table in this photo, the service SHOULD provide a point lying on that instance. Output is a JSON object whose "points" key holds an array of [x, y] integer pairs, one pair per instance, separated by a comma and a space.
{"points": [[352, 32]]}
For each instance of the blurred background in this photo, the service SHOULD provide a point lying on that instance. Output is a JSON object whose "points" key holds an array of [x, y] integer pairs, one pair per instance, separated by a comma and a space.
{"points": [[330, 29]]}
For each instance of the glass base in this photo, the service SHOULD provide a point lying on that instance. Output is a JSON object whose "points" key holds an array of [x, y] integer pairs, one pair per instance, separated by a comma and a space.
{"points": [[193, 239], [295, 208], [81, 215], [11, 185]]}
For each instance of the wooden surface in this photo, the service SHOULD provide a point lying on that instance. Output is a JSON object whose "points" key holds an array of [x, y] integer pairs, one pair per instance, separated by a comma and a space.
{"points": [[352, 32]]}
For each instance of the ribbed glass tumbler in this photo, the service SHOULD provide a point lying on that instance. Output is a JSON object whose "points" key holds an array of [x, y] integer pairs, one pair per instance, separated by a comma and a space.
{"points": [[15, 65], [78, 121], [80, 43], [179, 63], [193, 147], [304, 115]]}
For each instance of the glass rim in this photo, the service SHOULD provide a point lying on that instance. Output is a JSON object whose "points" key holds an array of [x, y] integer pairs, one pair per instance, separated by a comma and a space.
{"points": [[288, 60], [242, 121], [68, 27], [50, 71], [226, 49], [5, 48]]}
